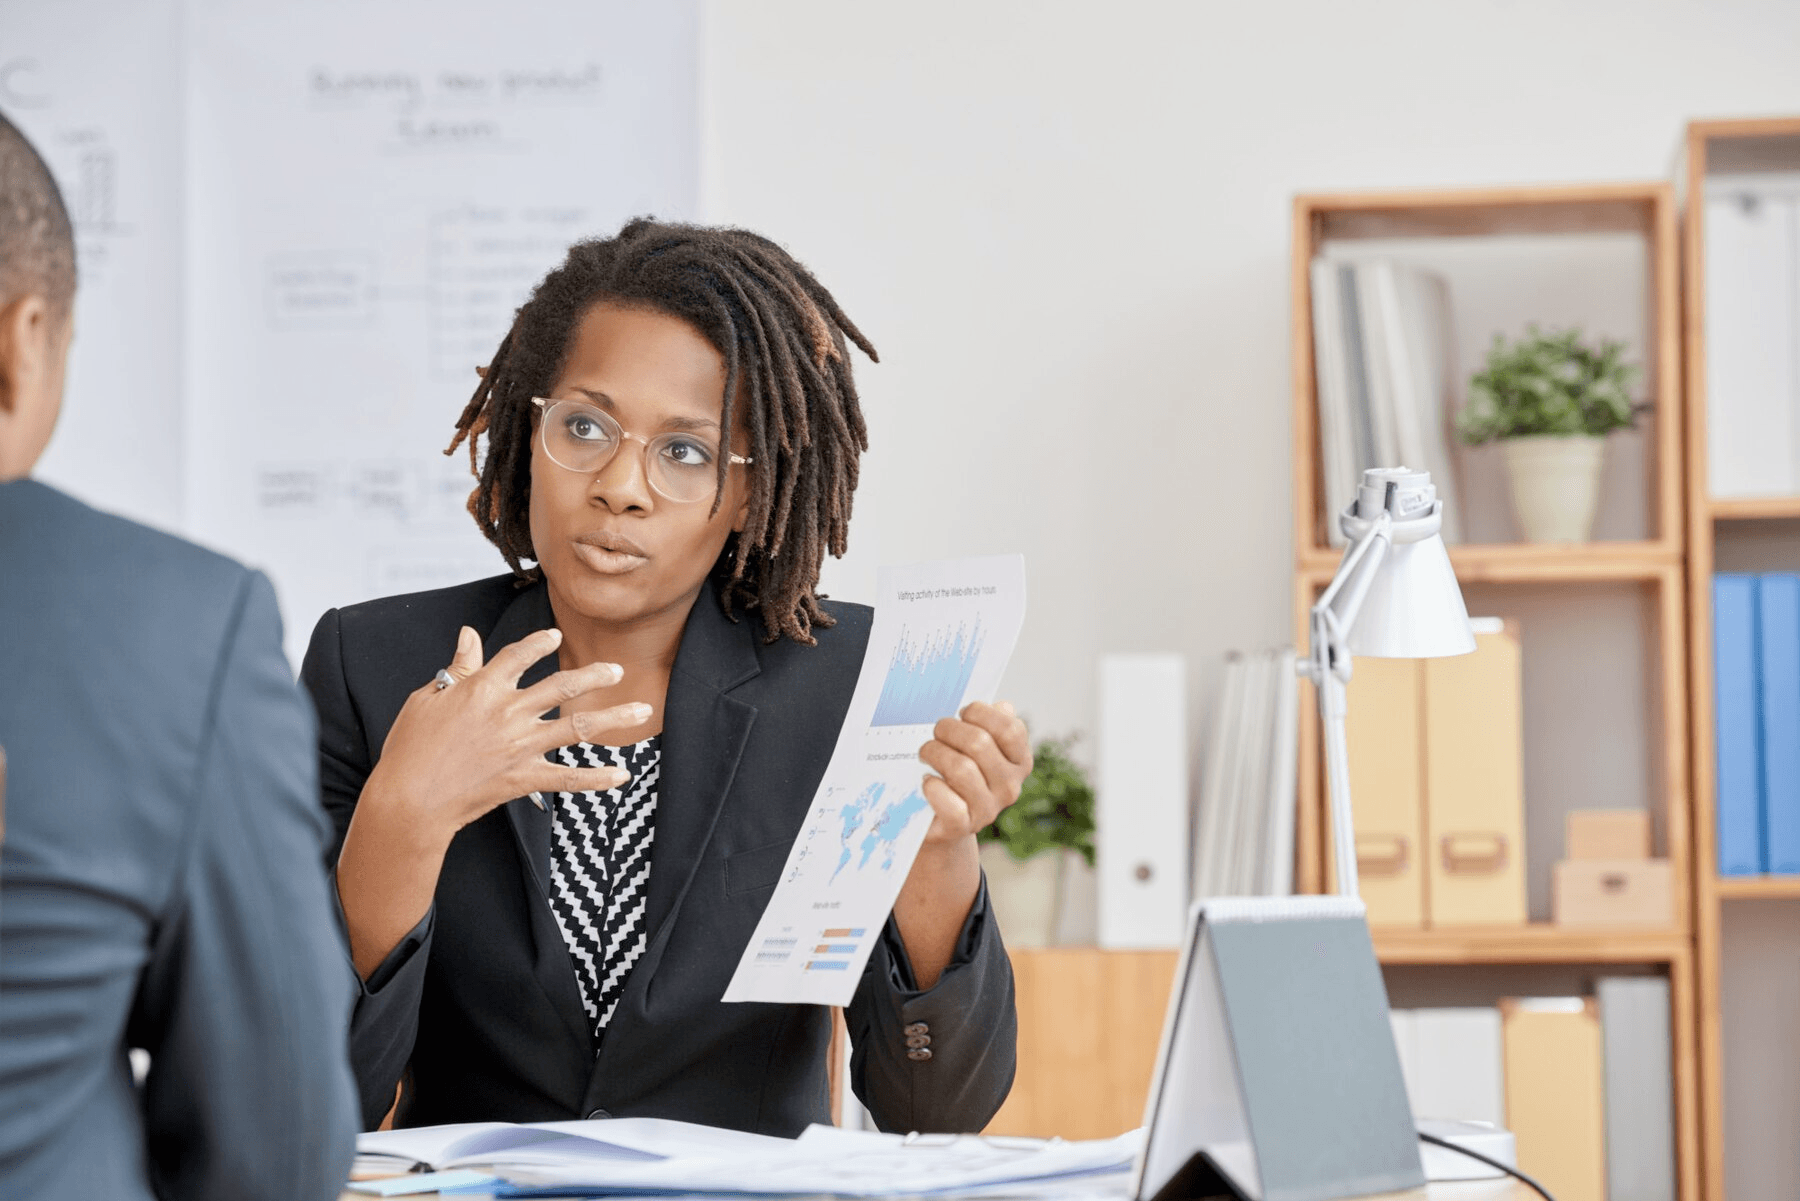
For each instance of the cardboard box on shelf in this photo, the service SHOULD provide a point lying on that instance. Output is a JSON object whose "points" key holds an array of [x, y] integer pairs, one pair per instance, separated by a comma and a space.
{"points": [[1605, 892], [1609, 834]]}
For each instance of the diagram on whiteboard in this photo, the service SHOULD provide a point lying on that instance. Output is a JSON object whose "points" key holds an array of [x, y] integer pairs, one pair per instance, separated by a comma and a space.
{"points": [[941, 637], [377, 208], [96, 87]]}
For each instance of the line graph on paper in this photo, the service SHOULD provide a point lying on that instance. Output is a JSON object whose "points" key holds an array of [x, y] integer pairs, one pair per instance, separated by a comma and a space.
{"points": [[928, 675]]}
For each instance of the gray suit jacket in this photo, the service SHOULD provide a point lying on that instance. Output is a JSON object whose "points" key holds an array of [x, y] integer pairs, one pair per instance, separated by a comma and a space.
{"points": [[162, 882]]}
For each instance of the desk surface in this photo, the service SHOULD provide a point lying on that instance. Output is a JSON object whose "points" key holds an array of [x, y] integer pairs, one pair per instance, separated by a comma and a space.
{"points": [[1474, 1190]]}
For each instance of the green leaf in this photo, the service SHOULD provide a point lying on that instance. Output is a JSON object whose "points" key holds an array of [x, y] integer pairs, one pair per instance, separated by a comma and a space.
{"points": [[1055, 807], [1549, 383]]}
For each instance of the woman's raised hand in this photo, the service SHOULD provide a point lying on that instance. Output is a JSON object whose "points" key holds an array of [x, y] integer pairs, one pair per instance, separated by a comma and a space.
{"points": [[454, 753], [981, 756]]}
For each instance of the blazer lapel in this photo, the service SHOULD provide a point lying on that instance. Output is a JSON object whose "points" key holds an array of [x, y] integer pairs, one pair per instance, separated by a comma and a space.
{"points": [[529, 613], [551, 966], [704, 733]]}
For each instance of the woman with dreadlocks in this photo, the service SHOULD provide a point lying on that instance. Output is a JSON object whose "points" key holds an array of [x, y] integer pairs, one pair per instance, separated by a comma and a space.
{"points": [[563, 796]]}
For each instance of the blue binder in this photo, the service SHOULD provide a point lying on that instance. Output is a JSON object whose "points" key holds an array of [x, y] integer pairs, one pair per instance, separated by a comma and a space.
{"points": [[1778, 637], [1737, 743]]}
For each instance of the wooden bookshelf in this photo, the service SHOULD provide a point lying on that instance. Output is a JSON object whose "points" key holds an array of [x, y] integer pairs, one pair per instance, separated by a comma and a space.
{"points": [[1757, 888], [1644, 209], [1528, 564], [1649, 563], [1538, 942], [1759, 508], [1730, 145]]}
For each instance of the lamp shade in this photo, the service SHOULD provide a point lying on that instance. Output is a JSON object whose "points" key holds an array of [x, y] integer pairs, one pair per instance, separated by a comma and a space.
{"points": [[1412, 607]]}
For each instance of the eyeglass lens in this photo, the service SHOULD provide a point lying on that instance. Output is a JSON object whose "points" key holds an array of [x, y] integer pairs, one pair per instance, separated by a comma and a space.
{"points": [[682, 466]]}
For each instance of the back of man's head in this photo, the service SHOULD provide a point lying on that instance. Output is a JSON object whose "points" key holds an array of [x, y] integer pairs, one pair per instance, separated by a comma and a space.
{"points": [[37, 294], [37, 243]]}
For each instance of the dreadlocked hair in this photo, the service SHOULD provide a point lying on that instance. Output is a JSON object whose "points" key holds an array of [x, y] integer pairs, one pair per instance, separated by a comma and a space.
{"points": [[783, 339]]}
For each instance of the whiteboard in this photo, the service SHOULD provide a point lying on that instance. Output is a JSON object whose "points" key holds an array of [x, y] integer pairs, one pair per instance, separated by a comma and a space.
{"points": [[373, 189], [303, 225], [94, 85]]}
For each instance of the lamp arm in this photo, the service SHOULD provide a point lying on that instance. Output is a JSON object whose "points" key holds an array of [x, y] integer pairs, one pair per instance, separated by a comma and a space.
{"points": [[1343, 597], [1328, 666]]}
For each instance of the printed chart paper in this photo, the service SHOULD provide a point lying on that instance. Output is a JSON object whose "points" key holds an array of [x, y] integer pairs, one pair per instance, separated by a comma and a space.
{"points": [[941, 637]]}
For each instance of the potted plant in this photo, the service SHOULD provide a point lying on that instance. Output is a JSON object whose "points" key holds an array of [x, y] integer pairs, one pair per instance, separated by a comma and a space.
{"points": [[1026, 850], [1550, 399]]}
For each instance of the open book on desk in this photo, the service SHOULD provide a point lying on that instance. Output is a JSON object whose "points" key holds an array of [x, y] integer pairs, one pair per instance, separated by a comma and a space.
{"points": [[617, 1155], [470, 1144]]}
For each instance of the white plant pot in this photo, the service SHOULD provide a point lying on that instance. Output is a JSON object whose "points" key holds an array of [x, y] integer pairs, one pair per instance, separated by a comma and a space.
{"points": [[1555, 484], [1023, 896], [1077, 907]]}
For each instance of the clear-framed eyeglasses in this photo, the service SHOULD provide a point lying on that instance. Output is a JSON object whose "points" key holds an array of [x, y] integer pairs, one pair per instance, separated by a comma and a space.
{"points": [[578, 436]]}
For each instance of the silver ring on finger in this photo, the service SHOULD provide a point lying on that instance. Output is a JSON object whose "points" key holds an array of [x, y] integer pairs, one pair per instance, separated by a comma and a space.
{"points": [[443, 679]]}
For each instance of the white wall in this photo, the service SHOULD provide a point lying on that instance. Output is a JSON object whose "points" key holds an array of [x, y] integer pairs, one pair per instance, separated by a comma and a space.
{"points": [[1066, 227]]}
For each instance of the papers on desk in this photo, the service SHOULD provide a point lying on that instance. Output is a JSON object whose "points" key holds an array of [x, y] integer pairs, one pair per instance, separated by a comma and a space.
{"points": [[623, 1155], [940, 639]]}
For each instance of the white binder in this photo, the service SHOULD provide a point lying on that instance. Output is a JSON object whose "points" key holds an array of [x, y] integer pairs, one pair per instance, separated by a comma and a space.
{"points": [[1752, 361], [1141, 803], [1451, 1059]]}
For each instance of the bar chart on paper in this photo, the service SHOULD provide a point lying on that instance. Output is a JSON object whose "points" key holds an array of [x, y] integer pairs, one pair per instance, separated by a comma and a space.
{"points": [[927, 676], [941, 637]]}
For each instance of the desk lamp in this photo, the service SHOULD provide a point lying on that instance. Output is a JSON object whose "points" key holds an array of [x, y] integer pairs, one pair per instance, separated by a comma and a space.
{"points": [[1278, 1079], [1394, 597]]}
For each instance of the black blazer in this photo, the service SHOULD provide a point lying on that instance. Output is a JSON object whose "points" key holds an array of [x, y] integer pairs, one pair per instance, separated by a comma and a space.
{"points": [[479, 1008]]}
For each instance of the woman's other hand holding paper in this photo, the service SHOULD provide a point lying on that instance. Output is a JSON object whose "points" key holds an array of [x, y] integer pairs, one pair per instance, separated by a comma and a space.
{"points": [[981, 758]]}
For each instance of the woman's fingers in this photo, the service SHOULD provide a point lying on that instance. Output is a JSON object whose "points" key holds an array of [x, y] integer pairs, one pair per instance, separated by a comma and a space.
{"points": [[964, 778], [1005, 727], [554, 777], [975, 744], [467, 660], [996, 742], [949, 810], [511, 662], [558, 689], [591, 725]]}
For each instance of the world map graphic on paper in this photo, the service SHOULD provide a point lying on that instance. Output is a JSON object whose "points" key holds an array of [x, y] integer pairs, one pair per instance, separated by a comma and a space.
{"points": [[868, 827]]}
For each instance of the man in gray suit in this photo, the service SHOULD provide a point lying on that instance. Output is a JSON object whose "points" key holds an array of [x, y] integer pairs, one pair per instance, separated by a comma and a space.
{"points": [[162, 882]]}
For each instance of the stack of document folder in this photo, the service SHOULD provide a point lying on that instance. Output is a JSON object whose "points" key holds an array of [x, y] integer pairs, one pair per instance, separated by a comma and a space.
{"points": [[1244, 827], [654, 1155]]}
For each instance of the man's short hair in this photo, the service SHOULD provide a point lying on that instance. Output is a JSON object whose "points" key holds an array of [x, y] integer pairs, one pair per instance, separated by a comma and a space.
{"points": [[37, 243]]}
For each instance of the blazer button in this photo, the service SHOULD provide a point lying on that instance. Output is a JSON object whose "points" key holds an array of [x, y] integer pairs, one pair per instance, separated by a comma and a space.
{"points": [[916, 1041], [918, 1028], [598, 1113], [919, 1054]]}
